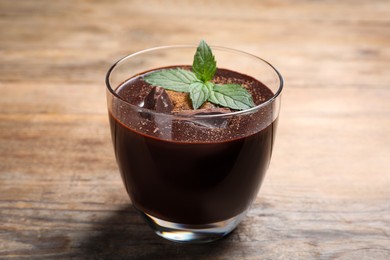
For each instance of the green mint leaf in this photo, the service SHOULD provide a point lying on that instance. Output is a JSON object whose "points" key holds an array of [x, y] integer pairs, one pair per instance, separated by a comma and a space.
{"points": [[231, 95], [172, 79], [204, 64], [199, 93], [198, 82]]}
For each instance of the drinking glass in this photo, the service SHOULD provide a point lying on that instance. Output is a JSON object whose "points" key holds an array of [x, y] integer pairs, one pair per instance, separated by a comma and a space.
{"points": [[192, 176]]}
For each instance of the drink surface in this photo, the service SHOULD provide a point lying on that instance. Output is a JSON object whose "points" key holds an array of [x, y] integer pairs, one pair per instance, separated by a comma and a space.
{"points": [[192, 171]]}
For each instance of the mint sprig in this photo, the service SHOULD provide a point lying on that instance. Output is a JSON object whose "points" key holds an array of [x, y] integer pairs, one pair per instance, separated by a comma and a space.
{"points": [[198, 82]]}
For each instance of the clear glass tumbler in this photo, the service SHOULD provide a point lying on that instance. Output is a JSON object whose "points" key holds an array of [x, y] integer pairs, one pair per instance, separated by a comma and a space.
{"points": [[192, 177]]}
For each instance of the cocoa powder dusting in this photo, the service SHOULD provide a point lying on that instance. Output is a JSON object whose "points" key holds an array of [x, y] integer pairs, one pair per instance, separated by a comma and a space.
{"points": [[214, 129]]}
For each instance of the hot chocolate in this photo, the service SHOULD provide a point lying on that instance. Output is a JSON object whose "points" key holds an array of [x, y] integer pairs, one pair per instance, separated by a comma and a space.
{"points": [[185, 166]]}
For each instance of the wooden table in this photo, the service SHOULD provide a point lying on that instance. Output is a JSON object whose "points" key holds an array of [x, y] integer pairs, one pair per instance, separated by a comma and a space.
{"points": [[327, 192]]}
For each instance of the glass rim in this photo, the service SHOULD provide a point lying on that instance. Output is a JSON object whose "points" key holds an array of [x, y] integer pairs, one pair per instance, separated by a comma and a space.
{"points": [[213, 47]]}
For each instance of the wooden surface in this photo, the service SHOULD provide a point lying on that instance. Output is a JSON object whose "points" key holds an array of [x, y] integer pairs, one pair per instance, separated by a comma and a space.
{"points": [[327, 192]]}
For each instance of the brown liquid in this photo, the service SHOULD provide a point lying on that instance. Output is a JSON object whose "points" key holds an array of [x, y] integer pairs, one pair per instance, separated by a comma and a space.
{"points": [[191, 173]]}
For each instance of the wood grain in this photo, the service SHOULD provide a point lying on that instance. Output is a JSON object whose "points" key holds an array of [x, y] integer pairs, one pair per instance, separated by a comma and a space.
{"points": [[326, 194]]}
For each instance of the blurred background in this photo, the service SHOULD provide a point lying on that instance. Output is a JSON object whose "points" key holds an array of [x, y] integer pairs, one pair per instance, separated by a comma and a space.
{"points": [[321, 40]]}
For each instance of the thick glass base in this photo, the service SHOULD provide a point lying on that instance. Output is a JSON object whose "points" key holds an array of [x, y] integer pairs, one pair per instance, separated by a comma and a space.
{"points": [[185, 233]]}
